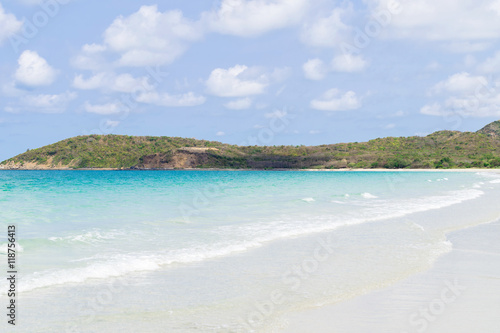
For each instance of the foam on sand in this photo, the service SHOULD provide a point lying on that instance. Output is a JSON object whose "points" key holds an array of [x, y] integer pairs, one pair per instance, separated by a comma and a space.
{"points": [[239, 239]]}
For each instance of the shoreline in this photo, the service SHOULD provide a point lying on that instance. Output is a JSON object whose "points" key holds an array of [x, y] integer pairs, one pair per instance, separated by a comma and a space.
{"points": [[467, 276], [497, 170]]}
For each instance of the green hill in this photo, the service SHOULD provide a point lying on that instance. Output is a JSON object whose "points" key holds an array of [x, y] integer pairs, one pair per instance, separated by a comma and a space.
{"points": [[443, 149], [491, 129]]}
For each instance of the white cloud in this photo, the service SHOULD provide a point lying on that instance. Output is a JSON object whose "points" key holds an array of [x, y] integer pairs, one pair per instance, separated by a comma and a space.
{"points": [[47, 103], [239, 104], [460, 83], [328, 31], [125, 83], [465, 95], [434, 109], [93, 48], [220, 133], [491, 65], [348, 63], [237, 81], [255, 17], [187, 99], [453, 20], [103, 109], [34, 70], [334, 100], [149, 37], [9, 25], [465, 106], [95, 82], [315, 69], [91, 58], [128, 84]]}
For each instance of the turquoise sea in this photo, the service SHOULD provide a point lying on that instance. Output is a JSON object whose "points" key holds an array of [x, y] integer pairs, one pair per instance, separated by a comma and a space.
{"points": [[221, 251]]}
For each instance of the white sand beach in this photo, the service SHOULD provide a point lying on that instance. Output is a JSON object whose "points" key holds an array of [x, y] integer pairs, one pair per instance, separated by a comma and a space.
{"points": [[459, 294]]}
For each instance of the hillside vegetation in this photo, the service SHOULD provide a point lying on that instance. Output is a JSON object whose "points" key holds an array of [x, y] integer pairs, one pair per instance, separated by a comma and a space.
{"points": [[444, 149]]}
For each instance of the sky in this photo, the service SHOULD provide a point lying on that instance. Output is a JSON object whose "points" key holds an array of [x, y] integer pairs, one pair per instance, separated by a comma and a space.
{"points": [[265, 72]]}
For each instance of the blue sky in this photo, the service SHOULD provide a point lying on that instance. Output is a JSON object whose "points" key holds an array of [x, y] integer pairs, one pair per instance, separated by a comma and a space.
{"points": [[267, 72]]}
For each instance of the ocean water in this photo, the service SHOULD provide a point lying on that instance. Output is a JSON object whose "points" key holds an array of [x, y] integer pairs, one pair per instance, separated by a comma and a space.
{"points": [[221, 251]]}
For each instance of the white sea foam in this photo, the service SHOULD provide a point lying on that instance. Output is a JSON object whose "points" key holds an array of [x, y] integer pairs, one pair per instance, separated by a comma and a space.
{"points": [[91, 236], [4, 248], [308, 199], [496, 181], [120, 265], [367, 195], [241, 238]]}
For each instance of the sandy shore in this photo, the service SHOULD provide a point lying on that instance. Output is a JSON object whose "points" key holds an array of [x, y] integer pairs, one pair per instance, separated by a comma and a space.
{"points": [[458, 294]]}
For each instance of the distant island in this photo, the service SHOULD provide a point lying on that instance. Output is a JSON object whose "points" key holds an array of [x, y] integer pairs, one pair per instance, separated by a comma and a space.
{"points": [[439, 150]]}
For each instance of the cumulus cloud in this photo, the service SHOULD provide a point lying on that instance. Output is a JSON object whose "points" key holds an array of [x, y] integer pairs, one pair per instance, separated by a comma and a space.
{"points": [[237, 81], [433, 109], [9, 25], [328, 31], [94, 82], [465, 95], [91, 58], [315, 69], [103, 109], [460, 83], [249, 18], [149, 37], [349, 63], [47, 103], [34, 70], [239, 104], [437, 20], [334, 100], [164, 99], [125, 83]]}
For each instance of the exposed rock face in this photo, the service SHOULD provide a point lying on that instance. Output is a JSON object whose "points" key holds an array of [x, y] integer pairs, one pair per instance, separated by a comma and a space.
{"points": [[492, 129], [181, 159], [34, 166]]}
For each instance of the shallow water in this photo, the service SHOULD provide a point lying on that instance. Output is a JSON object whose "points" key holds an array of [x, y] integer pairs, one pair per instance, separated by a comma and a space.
{"points": [[220, 251]]}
